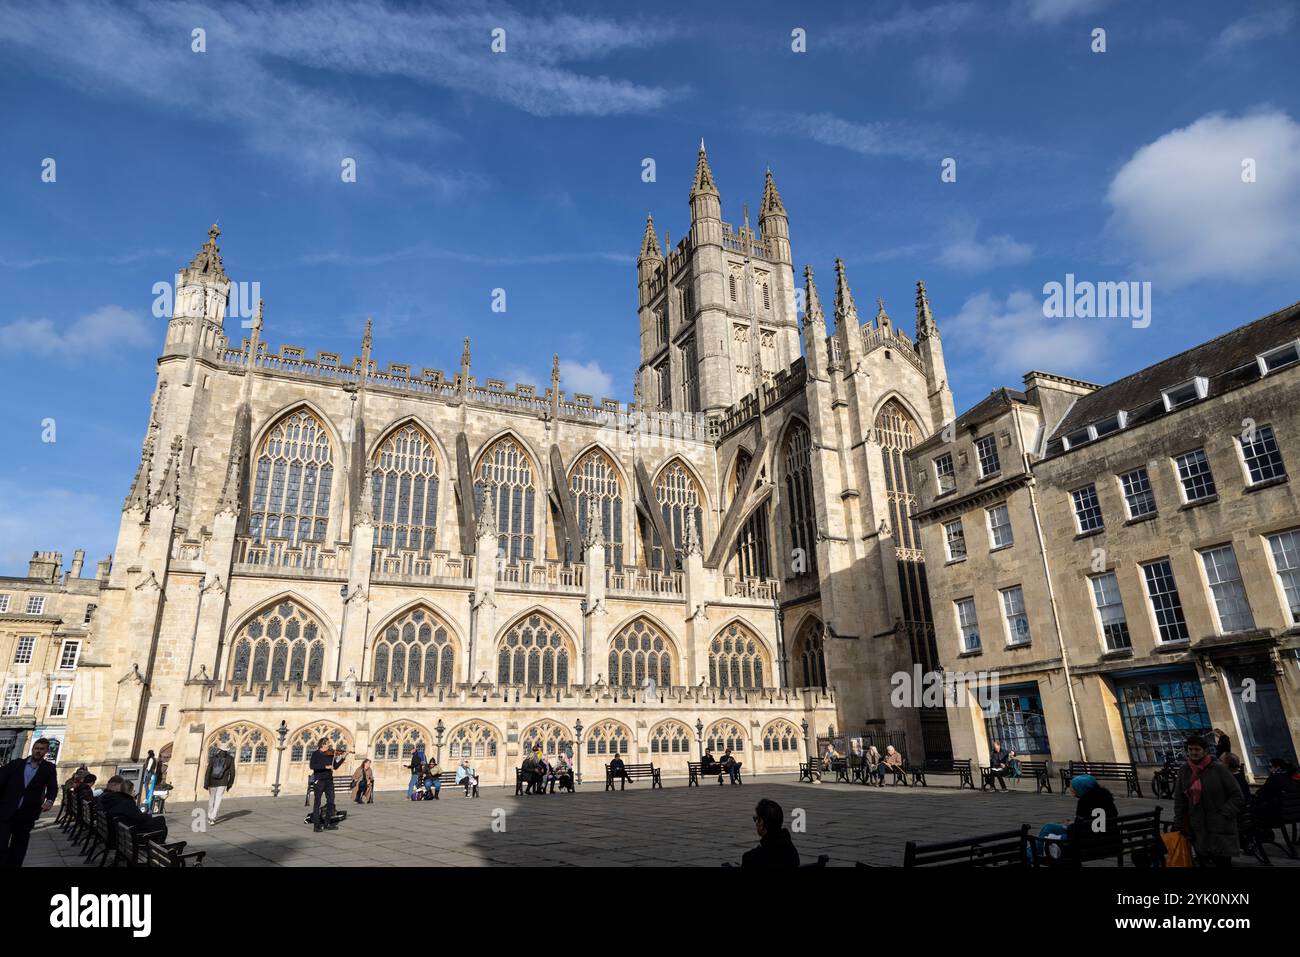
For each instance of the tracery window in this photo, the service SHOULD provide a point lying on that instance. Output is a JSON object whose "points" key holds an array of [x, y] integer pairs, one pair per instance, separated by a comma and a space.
{"points": [[291, 488], [416, 649], [551, 737], [506, 472], [638, 652], [609, 737], [249, 743], [595, 482], [404, 479], [799, 499], [752, 548], [681, 500], [304, 742], [473, 739], [737, 659], [808, 657], [281, 643], [781, 735], [724, 734], [398, 742], [534, 651], [671, 737]]}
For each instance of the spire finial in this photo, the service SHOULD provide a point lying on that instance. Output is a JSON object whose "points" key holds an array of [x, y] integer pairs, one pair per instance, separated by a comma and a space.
{"points": [[703, 174], [257, 316], [486, 526], [650, 242], [845, 309], [925, 325], [882, 317], [208, 259], [464, 355], [771, 205], [812, 309], [366, 338], [594, 534], [555, 370]]}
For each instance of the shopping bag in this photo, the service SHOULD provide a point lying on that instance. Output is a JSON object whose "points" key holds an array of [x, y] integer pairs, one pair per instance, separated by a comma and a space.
{"points": [[1178, 849]]}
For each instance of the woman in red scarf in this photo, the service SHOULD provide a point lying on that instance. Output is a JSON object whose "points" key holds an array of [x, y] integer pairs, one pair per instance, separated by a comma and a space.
{"points": [[1207, 801]]}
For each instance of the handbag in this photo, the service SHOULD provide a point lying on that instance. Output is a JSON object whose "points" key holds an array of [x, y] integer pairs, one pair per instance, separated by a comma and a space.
{"points": [[1178, 849]]}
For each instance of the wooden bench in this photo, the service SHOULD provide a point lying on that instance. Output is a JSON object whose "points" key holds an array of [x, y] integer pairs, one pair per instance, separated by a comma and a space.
{"points": [[342, 787], [520, 781], [101, 837], [1258, 829], [635, 772], [898, 771], [1004, 849], [173, 855], [695, 773], [1136, 836], [962, 769], [1103, 771], [1035, 769], [808, 770]]}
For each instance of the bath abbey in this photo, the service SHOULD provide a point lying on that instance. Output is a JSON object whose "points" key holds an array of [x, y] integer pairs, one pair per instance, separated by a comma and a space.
{"points": [[324, 546]]}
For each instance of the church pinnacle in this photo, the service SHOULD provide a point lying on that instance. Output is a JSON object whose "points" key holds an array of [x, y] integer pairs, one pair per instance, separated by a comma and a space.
{"points": [[207, 260], [771, 205], [845, 309], [703, 175], [650, 242], [812, 310], [925, 325]]}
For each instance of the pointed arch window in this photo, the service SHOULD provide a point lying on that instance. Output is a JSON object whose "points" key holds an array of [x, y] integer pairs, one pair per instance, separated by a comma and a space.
{"points": [[595, 482], [681, 500], [534, 652], [473, 739], [405, 481], [638, 652], [753, 551], [609, 737], [416, 650], [781, 735], [737, 659], [553, 738], [802, 512], [248, 743], [291, 487], [506, 473], [808, 657], [283, 643], [671, 737], [723, 735]]}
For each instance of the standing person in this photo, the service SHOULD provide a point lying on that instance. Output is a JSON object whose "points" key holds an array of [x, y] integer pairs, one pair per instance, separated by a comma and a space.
{"points": [[775, 849], [363, 783], [997, 767], [148, 779], [417, 766], [324, 760], [28, 787], [732, 766], [433, 779], [219, 779], [1222, 744], [1206, 803], [465, 775]]}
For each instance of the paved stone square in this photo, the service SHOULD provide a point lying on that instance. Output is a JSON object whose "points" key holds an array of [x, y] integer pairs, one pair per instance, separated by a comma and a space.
{"points": [[701, 826]]}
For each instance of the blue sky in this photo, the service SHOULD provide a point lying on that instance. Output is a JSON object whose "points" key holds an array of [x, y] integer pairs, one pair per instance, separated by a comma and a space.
{"points": [[522, 170]]}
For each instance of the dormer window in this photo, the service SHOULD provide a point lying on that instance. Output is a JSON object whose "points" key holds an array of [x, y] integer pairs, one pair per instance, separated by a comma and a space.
{"points": [[1077, 437], [1095, 430], [1185, 394], [1277, 358]]}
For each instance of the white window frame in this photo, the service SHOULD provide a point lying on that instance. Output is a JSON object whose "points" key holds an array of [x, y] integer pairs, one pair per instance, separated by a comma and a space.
{"points": [[939, 474], [1078, 516], [55, 710], [1286, 576], [948, 540], [959, 607], [1151, 601], [75, 645], [1200, 384], [31, 650], [38, 601], [1245, 458], [1233, 589], [1009, 613], [1097, 597], [993, 528], [1092, 431], [1263, 357], [14, 691], [1183, 480], [1128, 498], [992, 441]]}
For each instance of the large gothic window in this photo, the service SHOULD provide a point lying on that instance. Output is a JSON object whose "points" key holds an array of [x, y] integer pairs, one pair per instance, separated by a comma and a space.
{"points": [[724, 734], [609, 737], [896, 432], [682, 501], [737, 659], [807, 658], [398, 742], [291, 489], [781, 735], [404, 476], [671, 737], [551, 737], [473, 739], [752, 550], [304, 742], [281, 643], [638, 652], [247, 742], [534, 652], [595, 482], [416, 649], [799, 500], [506, 473]]}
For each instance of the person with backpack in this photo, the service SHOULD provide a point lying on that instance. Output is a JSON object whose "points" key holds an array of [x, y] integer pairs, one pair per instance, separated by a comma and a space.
{"points": [[416, 767], [219, 779]]}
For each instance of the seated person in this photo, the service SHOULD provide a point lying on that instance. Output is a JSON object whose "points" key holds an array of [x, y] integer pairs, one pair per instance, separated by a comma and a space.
{"points": [[730, 765], [775, 849], [891, 761], [564, 772], [708, 763], [548, 774], [466, 776], [1094, 815], [618, 771], [997, 767], [1013, 765], [118, 805], [84, 787], [433, 779]]}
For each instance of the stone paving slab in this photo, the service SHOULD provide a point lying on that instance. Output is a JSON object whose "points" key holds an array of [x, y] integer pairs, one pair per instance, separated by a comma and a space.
{"points": [[701, 826]]}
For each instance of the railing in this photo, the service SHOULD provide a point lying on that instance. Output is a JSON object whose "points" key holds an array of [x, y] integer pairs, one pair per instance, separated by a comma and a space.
{"points": [[737, 415], [787, 382], [899, 340], [641, 581], [278, 553], [542, 575], [410, 565], [756, 589]]}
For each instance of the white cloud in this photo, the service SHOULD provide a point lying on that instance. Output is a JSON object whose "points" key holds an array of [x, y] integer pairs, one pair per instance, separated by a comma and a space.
{"points": [[89, 337], [904, 23], [1055, 11], [1005, 339], [1252, 27], [966, 252], [588, 378], [1181, 205], [945, 76]]}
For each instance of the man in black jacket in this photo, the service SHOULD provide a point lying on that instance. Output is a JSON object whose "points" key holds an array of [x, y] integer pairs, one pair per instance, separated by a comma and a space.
{"points": [[117, 805], [219, 779], [775, 849], [323, 762], [28, 786]]}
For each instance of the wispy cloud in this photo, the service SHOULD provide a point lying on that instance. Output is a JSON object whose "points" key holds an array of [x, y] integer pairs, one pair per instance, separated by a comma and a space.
{"points": [[966, 251], [890, 22], [944, 75], [1005, 338], [88, 338], [1250, 29], [1057, 11]]}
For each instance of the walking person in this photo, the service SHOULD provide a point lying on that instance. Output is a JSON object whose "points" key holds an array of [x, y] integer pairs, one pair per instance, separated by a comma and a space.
{"points": [[1220, 743], [28, 787], [324, 761], [219, 779], [1207, 801]]}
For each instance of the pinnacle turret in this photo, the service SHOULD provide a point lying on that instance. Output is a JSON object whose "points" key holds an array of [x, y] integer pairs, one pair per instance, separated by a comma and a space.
{"points": [[925, 325], [771, 205], [649, 241], [812, 310], [845, 309], [703, 175], [207, 261]]}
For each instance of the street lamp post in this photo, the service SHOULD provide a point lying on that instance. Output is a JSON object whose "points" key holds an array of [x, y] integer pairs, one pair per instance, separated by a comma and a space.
{"points": [[699, 736], [440, 729], [577, 748], [807, 747], [281, 732]]}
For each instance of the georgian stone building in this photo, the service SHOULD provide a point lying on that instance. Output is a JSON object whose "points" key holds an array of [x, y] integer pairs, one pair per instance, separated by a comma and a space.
{"points": [[318, 546], [1124, 560]]}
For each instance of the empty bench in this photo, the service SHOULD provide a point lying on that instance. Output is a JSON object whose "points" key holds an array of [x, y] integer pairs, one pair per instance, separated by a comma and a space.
{"points": [[1003, 849], [1103, 771], [634, 772], [1028, 769], [961, 769]]}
